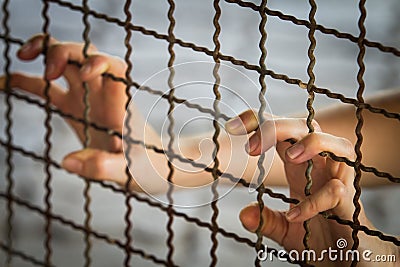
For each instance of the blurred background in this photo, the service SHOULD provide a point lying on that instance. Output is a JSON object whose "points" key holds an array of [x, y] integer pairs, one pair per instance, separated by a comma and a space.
{"points": [[287, 46]]}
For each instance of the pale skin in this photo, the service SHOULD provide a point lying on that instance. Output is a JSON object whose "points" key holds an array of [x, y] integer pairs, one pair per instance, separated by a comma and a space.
{"points": [[332, 189]]}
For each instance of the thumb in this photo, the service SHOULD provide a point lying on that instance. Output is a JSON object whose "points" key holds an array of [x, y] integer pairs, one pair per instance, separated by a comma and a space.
{"points": [[275, 224], [97, 164]]}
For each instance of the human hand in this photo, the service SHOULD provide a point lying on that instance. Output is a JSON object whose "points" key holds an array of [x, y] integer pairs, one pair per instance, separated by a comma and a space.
{"points": [[103, 159], [332, 188]]}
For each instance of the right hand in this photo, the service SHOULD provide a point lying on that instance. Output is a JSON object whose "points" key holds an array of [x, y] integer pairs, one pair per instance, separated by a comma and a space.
{"points": [[332, 188]]}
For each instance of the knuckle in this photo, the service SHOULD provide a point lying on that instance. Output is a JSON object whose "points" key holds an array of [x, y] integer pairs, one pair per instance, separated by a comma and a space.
{"points": [[120, 62], [348, 147], [54, 50], [316, 139], [336, 188], [97, 165], [92, 47]]}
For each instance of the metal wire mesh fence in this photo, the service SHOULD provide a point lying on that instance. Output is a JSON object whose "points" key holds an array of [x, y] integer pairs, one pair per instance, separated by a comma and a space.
{"points": [[127, 244]]}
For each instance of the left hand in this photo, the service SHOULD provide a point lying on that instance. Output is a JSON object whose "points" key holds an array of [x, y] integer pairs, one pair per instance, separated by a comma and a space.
{"points": [[103, 158]]}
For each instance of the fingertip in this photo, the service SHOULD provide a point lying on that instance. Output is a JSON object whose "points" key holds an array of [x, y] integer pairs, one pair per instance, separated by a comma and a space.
{"points": [[51, 72], [93, 67], [295, 151], [24, 50], [85, 71], [72, 164], [31, 49], [244, 123], [250, 217], [253, 146], [293, 214], [235, 126]]}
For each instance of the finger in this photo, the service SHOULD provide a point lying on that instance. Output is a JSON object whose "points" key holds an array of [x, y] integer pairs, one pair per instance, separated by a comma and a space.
{"points": [[59, 55], [97, 64], [277, 130], [245, 123], [97, 164], [274, 226], [34, 47], [315, 143], [36, 86], [333, 195]]}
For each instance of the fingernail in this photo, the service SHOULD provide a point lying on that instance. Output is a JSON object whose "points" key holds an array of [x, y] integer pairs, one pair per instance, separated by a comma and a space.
{"points": [[253, 143], [234, 126], [50, 69], [72, 165], [295, 150], [293, 213], [86, 69], [26, 47]]}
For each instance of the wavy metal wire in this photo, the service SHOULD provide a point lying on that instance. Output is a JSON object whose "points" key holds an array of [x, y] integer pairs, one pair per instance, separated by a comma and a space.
{"points": [[261, 98], [9, 123], [263, 71], [47, 138], [310, 109], [170, 130], [86, 129], [360, 123], [128, 198], [217, 131]]}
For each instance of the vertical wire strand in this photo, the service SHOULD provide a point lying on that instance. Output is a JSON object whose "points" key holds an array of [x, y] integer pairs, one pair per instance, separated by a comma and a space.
{"points": [[310, 109], [129, 49], [86, 190], [9, 123], [217, 130], [360, 122], [171, 41], [263, 85], [47, 123]]}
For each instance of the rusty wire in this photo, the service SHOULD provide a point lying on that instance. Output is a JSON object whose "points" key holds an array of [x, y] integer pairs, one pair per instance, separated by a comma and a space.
{"points": [[261, 110], [217, 131], [86, 130], [47, 123], [171, 133], [360, 123], [9, 123], [23, 255], [217, 56], [129, 51], [310, 109]]}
